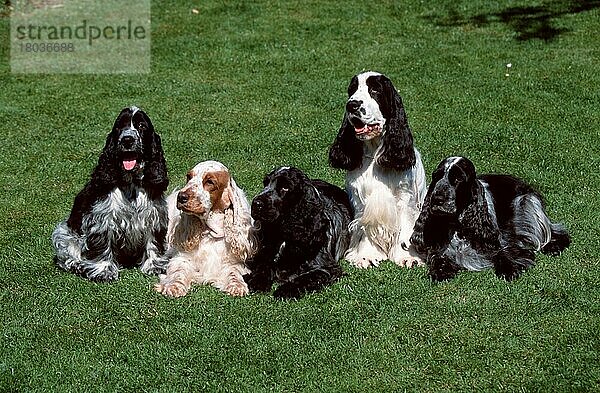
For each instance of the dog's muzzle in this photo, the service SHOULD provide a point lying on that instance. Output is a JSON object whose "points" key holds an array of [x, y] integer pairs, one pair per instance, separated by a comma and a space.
{"points": [[129, 146], [443, 199], [262, 210]]}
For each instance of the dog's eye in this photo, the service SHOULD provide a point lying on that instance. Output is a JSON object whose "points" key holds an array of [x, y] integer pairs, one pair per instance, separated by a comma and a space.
{"points": [[455, 177], [210, 182]]}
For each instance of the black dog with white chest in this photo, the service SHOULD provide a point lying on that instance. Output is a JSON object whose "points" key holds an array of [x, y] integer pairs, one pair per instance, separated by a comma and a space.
{"points": [[119, 219], [475, 222], [303, 232]]}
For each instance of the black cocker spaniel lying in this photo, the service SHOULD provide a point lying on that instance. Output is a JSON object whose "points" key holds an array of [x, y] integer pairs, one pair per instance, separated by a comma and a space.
{"points": [[476, 222], [303, 232], [119, 219]]}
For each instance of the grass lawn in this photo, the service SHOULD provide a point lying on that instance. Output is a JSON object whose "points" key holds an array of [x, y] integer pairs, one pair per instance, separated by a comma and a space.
{"points": [[258, 84]]}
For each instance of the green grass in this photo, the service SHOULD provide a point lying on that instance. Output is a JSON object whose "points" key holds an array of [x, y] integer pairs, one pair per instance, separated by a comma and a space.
{"points": [[260, 84]]}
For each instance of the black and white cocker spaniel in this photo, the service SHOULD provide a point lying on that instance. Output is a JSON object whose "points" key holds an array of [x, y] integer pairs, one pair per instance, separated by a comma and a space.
{"points": [[303, 233], [475, 222], [119, 219], [385, 176]]}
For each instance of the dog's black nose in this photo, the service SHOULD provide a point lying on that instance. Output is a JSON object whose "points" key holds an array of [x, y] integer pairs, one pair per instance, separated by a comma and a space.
{"points": [[257, 205], [182, 198], [353, 105], [127, 141]]}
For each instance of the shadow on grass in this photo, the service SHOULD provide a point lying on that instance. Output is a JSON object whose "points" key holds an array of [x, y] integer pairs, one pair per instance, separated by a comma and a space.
{"points": [[528, 22]]}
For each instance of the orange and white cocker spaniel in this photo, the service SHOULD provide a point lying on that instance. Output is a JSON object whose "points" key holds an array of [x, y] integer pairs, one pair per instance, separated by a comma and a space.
{"points": [[209, 234]]}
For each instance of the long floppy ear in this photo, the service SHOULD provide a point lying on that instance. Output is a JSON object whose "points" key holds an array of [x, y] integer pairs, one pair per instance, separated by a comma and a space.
{"points": [[239, 234], [106, 174], [476, 222], [346, 151], [418, 236], [104, 178], [156, 179], [185, 232], [397, 149]]}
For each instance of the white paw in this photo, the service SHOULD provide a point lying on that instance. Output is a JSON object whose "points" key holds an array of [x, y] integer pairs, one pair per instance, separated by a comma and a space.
{"points": [[364, 263], [101, 271], [410, 262], [154, 266], [365, 257]]}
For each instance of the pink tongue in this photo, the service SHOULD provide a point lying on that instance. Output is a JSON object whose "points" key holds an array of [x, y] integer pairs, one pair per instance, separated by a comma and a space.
{"points": [[361, 130], [128, 165]]}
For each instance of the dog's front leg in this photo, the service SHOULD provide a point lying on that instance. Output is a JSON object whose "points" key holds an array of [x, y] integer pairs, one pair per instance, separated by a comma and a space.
{"points": [[178, 279], [155, 262], [314, 276], [97, 262], [260, 278], [441, 267]]}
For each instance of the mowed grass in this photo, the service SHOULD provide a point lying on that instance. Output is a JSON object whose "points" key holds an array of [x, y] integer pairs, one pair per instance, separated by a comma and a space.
{"points": [[261, 84]]}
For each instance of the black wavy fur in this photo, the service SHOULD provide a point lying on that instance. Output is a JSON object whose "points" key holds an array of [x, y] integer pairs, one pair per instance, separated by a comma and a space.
{"points": [[302, 230], [109, 174], [456, 207]]}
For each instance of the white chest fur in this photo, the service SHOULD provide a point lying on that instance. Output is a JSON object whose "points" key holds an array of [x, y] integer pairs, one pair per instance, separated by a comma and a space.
{"points": [[405, 187], [125, 218]]}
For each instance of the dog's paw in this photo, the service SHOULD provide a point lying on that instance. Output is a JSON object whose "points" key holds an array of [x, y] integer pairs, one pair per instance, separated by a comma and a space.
{"points": [[508, 272], [364, 263], [173, 289], [154, 266], [410, 262], [257, 283], [287, 291], [101, 272], [442, 270], [365, 256], [440, 275], [236, 288]]}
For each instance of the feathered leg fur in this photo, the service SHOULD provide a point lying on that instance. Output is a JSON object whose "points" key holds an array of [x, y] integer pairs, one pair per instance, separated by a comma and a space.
{"points": [[90, 257], [323, 270], [178, 279], [441, 267], [154, 261], [531, 231], [382, 231], [202, 266]]}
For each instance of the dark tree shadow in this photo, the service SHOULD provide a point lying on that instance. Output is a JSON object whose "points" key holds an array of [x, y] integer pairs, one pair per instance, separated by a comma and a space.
{"points": [[529, 22]]}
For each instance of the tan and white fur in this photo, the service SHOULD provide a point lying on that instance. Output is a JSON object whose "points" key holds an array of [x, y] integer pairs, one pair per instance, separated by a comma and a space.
{"points": [[209, 233]]}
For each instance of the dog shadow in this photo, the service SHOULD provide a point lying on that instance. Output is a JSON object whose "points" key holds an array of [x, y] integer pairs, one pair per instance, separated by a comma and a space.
{"points": [[528, 22]]}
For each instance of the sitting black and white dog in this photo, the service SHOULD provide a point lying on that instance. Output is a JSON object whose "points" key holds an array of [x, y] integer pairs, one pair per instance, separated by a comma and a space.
{"points": [[303, 233], [476, 222], [119, 219], [385, 176]]}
